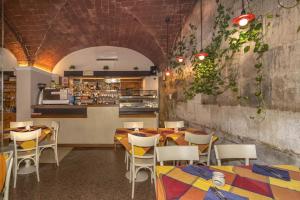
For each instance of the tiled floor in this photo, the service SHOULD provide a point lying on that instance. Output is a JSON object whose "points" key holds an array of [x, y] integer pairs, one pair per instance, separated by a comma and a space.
{"points": [[83, 174]]}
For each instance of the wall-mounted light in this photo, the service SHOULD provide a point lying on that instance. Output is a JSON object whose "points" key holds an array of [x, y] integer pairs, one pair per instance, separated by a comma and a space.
{"points": [[201, 55], [179, 59], [243, 19], [167, 72]]}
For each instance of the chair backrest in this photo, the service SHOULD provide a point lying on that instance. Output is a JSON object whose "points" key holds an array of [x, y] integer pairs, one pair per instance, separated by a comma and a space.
{"points": [[235, 151], [135, 125], [197, 139], [174, 124], [55, 129], [174, 153], [20, 124], [200, 140], [139, 141], [25, 136], [9, 163]]}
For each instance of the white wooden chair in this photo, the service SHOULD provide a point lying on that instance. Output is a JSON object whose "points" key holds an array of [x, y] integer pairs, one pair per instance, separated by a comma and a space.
{"points": [[21, 124], [177, 153], [22, 154], [174, 124], [146, 161], [136, 126], [235, 151], [9, 163], [51, 143], [200, 140]]}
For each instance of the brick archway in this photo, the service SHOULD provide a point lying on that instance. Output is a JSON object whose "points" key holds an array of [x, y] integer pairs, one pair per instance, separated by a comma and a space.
{"points": [[77, 24]]}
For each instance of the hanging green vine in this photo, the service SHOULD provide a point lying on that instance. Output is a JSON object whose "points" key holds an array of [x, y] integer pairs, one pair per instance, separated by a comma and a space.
{"points": [[217, 73]]}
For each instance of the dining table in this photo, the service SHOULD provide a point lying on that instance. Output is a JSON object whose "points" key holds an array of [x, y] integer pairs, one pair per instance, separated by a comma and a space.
{"points": [[257, 182], [121, 137], [45, 133]]}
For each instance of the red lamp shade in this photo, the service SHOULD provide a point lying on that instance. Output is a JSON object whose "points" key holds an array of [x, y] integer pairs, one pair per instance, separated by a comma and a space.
{"points": [[179, 59], [201, 55], [243, 19]]}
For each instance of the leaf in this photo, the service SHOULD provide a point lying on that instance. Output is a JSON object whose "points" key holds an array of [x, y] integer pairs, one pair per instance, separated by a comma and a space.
{"points": [[269, 16], [246, 49]]}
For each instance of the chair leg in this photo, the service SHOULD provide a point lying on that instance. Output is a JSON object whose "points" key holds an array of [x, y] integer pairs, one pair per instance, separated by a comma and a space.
{"points": [[56, 155], [133, 183], [15, 172], [37, 169]]}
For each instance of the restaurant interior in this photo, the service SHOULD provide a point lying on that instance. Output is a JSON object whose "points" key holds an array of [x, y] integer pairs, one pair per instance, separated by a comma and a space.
{"points": [[150, 99]]}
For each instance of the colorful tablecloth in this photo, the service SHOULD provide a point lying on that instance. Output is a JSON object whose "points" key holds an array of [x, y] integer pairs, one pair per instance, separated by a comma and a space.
{"points": [[174, 183], [178, 137], [121, 135], [2, 170], [29, 144]]}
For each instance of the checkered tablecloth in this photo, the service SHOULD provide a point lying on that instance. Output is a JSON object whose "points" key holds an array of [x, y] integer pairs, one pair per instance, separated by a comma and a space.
{"points": [[173, 183]]}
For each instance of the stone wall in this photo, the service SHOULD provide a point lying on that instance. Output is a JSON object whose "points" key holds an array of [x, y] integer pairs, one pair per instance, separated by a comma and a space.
{"points": [[280, 129]]}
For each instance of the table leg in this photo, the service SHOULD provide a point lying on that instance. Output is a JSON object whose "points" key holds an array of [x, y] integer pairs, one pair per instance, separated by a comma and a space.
{"points": [[28, 168]]}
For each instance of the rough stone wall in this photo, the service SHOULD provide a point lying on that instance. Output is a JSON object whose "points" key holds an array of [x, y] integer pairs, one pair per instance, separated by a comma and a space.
{"points": [[280, 129]]}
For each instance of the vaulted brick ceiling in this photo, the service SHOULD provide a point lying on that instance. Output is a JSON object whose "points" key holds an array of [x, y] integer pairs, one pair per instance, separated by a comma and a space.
{"points": [[42, 32]]}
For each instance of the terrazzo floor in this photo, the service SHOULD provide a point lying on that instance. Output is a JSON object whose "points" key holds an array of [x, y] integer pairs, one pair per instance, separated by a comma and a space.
{"points": [[83, 174]]}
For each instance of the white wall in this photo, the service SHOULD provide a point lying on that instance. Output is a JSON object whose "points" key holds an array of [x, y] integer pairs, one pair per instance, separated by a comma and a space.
{"points": [[8, 60], [85, 59], [27, 80]]}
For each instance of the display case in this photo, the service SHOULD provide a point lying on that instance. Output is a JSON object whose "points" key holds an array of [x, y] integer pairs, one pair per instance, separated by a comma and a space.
{"points": [[138, 101]]}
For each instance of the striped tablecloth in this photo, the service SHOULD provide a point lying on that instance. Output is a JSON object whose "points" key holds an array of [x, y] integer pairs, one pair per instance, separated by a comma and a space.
{"points": [[174, 183], [29, 144]]}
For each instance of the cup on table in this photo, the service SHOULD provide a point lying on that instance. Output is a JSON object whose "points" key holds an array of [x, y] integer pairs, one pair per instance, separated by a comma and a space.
{"points": [[218, 179]]}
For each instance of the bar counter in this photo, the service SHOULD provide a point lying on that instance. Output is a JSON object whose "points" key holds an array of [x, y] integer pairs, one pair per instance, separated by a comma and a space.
{"points": [[88, 125]]}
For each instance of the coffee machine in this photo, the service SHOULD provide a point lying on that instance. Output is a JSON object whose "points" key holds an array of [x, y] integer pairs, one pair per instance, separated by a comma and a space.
{"points": [[41, 87]]}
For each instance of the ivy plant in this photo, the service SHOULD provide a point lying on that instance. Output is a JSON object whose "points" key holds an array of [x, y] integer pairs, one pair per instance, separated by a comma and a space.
{"points": [[217, 73]]}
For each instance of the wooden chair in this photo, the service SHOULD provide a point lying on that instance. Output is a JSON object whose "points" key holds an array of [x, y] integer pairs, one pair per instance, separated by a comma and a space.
{"points": [[22, 154], [200, 140], [146, 161], [51, 143], [136, 126], [235, 151], [174, 124], [20, 124], [177, 153]]}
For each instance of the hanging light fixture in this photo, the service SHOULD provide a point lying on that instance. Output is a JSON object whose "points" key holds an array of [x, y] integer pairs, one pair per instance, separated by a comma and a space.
{"points": [[244, 18], [201, 55], [168, 71], [179, 58]]}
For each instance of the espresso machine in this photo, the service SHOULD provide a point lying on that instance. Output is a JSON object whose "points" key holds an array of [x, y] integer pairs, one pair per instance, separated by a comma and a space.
{"points": [[41, 87]]}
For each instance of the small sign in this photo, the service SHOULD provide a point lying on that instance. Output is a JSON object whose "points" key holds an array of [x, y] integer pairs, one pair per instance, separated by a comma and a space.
{"points": [[88, 73]]}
